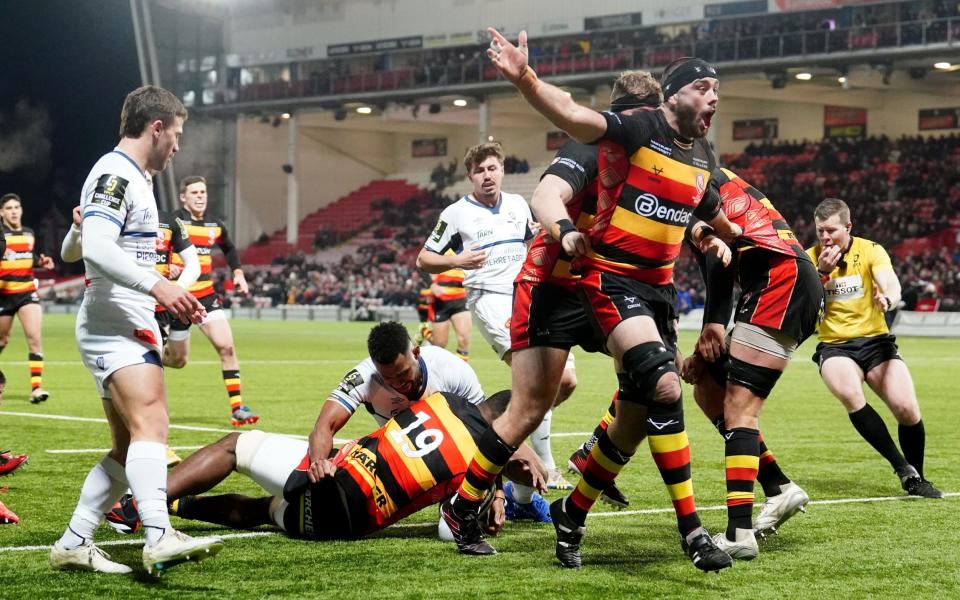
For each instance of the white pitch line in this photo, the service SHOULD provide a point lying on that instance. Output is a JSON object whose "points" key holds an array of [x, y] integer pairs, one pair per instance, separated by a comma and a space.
{"points": [[102, 450], [250, 361], [621, 513], [138, 541], [656, 511], [171, 426]]}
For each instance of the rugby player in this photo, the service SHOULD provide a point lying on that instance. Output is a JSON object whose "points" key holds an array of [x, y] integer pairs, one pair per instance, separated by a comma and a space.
{"points": [[780, 305], [417, 458], [548, 315], [205, 233], [450, 307], [488, 231], [170, 235], [18, 289], [118, 339], [856, 344], [9, 462], [657, 169]]}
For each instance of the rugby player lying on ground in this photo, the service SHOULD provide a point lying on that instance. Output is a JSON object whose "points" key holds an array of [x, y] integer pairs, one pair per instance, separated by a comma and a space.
{"points": [[416, 459]]}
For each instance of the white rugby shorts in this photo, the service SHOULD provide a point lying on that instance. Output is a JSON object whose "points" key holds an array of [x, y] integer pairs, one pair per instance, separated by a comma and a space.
{"points": [[114, 335], [492, 311]]}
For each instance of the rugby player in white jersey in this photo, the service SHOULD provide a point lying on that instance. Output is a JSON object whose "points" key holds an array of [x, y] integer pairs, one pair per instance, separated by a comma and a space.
{"points": [[395, 375], [119, 339], [488, 231]]}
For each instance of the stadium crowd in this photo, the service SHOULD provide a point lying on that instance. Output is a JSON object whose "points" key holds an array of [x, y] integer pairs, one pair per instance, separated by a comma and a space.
{"points": [[896, 189], [739, 38]]}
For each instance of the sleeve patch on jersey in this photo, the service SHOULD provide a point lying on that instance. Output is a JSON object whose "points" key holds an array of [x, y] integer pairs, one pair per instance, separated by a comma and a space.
{"points": [[350, 381], [183, 229], [110, 191], [438, 231]]}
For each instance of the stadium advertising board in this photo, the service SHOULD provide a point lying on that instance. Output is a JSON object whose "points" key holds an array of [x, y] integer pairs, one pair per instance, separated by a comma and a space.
{"points": [[729, 9], [844, 121], [755, 129], [403, 43], [613, 21], [556, 139], [423, 148], [938, 118]]}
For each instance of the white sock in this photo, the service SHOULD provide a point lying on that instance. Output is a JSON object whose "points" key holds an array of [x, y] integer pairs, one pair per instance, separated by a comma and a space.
{"points": [[540, 440], [147, 474], [523, 494], [104, 485]]}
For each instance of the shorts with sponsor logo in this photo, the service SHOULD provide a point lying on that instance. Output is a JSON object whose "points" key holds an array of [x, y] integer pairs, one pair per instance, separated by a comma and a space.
{"points": [[211, 303], [10, 304], [492, 311], [545, 314], [867, 352], [780, 292], [613, 299], [444, 309], [111, 336]]}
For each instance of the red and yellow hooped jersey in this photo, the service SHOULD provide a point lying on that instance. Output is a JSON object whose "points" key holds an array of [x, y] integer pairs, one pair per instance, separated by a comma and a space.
{"points": [[763, 225], [418, 458], [205, 234], [450, 283], [651, 180], [16, 267]]}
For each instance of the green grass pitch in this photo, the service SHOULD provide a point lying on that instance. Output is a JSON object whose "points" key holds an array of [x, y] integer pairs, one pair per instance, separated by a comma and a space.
{"points": [[853, 549]]}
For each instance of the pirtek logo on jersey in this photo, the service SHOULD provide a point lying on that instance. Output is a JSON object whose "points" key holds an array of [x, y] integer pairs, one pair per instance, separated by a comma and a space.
{"points": [[648, 205]]}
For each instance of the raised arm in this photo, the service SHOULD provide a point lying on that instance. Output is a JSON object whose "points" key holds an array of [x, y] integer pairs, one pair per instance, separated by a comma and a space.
{"points": [[582, 123]]}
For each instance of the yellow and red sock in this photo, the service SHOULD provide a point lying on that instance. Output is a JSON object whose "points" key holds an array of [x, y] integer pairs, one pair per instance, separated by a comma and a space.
{"points": [[742, 450], [604, 463], [231, 380], [670, 449], [491, 456], [35, 360]]}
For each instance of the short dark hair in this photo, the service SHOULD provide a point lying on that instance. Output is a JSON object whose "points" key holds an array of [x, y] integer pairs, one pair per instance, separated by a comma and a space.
{"points": [[3, 378], [387, 341], [8, 197], [497, 403], [190, 180], [145, 105]]}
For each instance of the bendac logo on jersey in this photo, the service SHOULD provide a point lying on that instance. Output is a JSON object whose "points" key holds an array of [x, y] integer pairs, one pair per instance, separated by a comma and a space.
{"points": [[350, 381], [438, 230], [110, 191]]}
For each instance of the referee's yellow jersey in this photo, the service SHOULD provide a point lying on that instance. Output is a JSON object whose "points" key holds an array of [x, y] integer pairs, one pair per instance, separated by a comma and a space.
{"points": [[850, 310]]}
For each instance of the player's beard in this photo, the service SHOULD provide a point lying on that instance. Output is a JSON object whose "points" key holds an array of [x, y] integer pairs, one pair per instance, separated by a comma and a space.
{"points": [[687, 120]]}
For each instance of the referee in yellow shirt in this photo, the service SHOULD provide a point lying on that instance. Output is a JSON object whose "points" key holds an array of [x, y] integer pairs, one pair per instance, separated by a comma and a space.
{"points": [[856, 345]]}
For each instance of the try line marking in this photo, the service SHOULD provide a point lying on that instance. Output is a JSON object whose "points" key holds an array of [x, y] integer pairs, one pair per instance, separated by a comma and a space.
{"points": [[621, 513], [171, 426]]}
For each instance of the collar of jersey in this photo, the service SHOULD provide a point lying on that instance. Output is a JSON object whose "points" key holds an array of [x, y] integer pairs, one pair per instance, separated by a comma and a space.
{"points": [[418, 393], [495, 209], [132, 162]]}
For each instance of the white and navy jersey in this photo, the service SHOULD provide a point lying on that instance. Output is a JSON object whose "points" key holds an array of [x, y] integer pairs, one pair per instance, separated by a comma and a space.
{"points": [[501, 231], [116, 190], [440, 371]]}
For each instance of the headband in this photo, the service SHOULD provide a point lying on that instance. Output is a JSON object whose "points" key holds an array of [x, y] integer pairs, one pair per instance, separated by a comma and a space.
{"points": [[689, 71], [634, 101]]}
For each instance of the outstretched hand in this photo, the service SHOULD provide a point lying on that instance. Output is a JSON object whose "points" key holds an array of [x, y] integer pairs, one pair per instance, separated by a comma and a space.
{"points": [[510, 60]]}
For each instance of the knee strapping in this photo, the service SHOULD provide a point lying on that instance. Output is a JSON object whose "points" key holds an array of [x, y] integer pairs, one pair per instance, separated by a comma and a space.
{"points": [[248, 443], [645, 364], [759, 380]]}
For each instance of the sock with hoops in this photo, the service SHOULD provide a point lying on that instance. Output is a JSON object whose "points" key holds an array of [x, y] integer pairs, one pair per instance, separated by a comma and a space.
{"points": [[35, 360], [231, 381]]}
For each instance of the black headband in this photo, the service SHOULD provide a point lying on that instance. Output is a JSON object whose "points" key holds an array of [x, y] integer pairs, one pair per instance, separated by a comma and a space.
{"points": [[688, 72], [634, 101]]}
